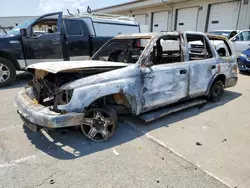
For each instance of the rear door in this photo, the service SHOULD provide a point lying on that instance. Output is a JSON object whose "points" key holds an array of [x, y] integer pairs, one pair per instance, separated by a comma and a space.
{"points": [[202, 64], [44, 39], [77, 39]]}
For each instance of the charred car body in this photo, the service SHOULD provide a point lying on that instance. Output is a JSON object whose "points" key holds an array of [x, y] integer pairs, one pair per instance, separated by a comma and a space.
{"points": [[130, 74]]}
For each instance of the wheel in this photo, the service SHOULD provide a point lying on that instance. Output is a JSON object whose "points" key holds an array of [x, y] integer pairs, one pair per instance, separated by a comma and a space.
{"points": [[99, 124], [216, 91], [7, 72]]}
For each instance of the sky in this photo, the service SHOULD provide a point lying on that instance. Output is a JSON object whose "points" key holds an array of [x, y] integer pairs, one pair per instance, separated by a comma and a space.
{"points": [[39, 7]]}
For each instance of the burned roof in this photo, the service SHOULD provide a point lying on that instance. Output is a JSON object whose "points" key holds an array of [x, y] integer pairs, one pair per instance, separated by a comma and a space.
{"points": [[151, 35], [145, 35]]}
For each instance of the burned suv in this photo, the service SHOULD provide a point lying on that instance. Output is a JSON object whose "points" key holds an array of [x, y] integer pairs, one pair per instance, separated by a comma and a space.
{"points": [[141, 74]]}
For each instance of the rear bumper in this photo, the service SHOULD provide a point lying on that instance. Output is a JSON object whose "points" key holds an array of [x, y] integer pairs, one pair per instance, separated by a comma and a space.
{"points": [[230, 82], [36, 114]]}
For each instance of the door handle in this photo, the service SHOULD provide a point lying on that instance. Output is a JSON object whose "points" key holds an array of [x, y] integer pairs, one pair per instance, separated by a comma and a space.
{"points": [[183, 71], [213, 66], [54, 40]]}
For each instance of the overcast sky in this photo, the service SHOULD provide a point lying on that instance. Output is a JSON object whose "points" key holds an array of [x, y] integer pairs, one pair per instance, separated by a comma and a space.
{"points": [[38, 7]]}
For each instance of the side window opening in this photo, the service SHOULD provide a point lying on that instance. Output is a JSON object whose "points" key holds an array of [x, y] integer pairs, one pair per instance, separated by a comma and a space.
{"points": [[243, 36], [198, 47], [73, 27], [46, 25], [166, 50], [122, 50], [224, 50]]}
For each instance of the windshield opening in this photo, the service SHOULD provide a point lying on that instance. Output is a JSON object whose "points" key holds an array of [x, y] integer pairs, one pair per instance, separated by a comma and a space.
{"points": [[122, 50], [24, 25]]}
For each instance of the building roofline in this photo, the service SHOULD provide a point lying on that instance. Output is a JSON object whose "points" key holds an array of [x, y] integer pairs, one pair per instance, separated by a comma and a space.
{"points": [[16, 16], [118, 5]]}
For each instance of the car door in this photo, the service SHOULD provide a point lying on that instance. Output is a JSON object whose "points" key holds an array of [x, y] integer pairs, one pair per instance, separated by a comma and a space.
{"points": [[166, 81], [241, 42], [202, 64], [44, 46], [77, 39]]}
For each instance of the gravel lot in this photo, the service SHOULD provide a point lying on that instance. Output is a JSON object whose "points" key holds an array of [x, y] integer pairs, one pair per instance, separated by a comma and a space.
{"points": [[160, 154]]}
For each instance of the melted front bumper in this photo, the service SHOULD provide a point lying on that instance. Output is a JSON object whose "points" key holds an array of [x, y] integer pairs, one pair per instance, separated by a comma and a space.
{"points": [[42, 116]]}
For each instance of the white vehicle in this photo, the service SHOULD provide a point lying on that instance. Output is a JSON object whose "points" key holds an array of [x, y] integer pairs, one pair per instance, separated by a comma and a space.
{"points": [[240, 41]]}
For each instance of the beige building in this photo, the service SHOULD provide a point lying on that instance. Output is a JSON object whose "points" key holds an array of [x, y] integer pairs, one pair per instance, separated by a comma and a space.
{"points": [[196, 15]]}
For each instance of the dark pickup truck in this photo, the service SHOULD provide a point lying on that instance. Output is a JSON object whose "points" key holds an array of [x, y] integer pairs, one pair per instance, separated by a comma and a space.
{"points": [[54, 37]]}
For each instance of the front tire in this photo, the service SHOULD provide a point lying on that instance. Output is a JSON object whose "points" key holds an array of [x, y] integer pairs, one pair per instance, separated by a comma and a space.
{"points": [[216, 91], [7, 72], [99, 124]]}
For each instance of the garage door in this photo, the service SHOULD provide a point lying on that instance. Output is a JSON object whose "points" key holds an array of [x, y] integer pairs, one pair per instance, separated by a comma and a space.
{"points": [[160, 21], [223, 16], [142, 19], [187, 19]]}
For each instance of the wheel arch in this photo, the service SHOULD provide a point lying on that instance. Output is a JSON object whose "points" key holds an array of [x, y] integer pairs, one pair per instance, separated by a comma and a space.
{"points": [[121, 98], [221, 77], [10, 58]]}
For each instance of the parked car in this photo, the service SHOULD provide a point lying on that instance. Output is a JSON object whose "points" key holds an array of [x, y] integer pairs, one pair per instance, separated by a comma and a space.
{"points": [[134, 74], [227, 33], [244, 60], [240, 41], [53, 37]]}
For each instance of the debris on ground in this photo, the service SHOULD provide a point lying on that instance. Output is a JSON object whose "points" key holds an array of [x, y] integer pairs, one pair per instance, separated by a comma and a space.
{"points": [[115, 152], [198, 144], [224, 140]]}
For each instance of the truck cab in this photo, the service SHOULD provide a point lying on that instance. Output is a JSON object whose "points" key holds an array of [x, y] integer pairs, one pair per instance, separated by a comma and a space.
{"points": [[54, 37]]}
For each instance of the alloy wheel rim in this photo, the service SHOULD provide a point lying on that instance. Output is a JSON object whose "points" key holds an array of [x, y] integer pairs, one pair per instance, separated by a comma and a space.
{"points": [[4, 73], [98, 125]]}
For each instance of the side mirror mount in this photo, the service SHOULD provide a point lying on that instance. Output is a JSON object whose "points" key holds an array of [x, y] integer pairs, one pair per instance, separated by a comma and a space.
{"points": [[235, 38], [23, 32]]}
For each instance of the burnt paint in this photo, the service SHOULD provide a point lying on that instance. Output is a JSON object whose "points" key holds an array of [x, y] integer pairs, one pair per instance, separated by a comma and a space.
{"points": [[148, 88]]}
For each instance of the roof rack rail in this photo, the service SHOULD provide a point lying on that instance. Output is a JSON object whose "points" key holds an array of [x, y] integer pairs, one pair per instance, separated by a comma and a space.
{"points": [[107, 16]]}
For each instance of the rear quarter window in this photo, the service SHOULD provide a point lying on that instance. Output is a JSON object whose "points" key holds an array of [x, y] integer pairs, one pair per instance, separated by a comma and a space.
{"points": [[222, 46]]}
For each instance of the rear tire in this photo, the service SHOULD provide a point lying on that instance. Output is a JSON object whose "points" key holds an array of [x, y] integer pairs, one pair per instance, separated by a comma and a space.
{"points": [[7, 72], [216, 91]]}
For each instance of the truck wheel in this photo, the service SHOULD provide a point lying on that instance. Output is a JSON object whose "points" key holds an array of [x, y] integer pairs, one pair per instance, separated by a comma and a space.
{"points": [[99, 124], [216, 91], [7, 72]]}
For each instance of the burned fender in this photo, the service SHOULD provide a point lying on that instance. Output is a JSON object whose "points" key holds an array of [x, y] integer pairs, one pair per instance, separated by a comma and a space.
{"points": [[85, 91]]}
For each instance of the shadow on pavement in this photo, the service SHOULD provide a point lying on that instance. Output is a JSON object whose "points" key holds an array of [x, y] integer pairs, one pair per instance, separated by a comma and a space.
{"points": [[68, 144], [22, 79]]}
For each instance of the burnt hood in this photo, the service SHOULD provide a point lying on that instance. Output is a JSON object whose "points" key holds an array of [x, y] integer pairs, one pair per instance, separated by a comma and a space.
{"points": [[68, 66]]}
